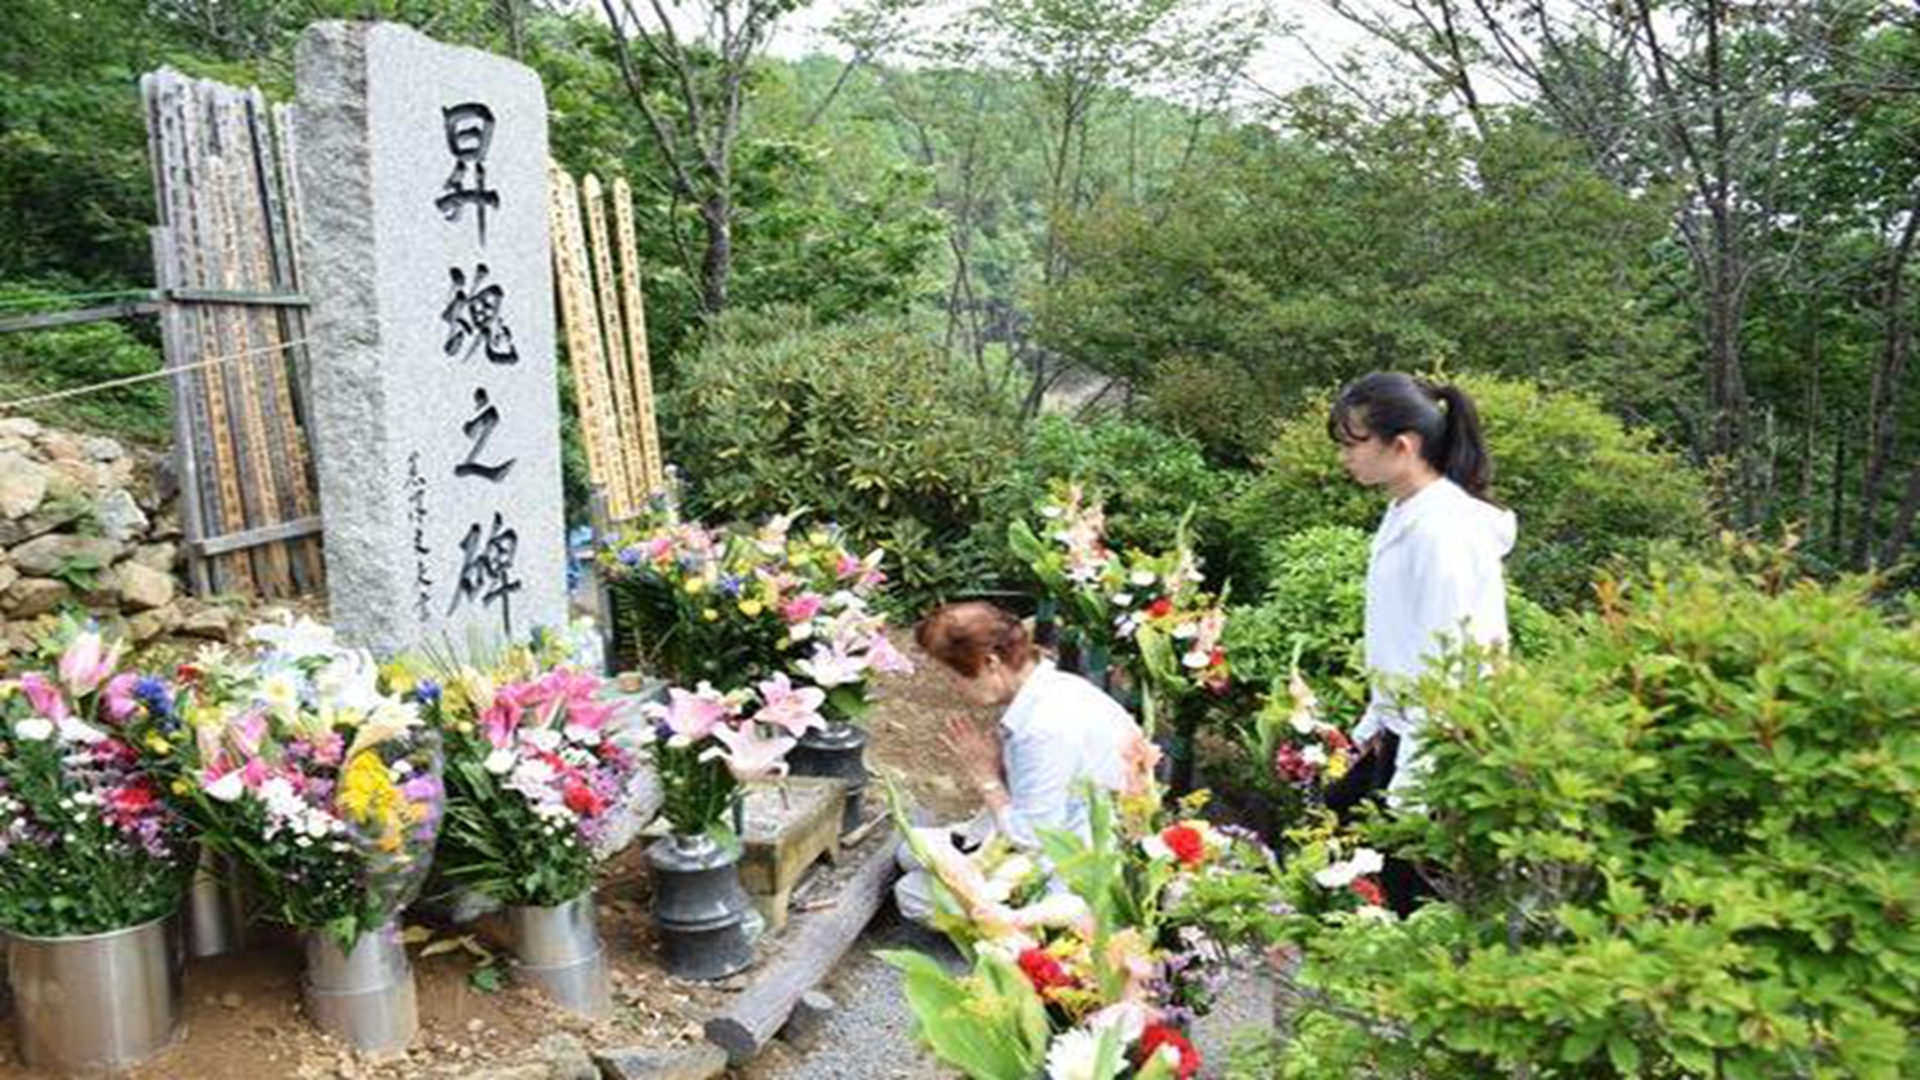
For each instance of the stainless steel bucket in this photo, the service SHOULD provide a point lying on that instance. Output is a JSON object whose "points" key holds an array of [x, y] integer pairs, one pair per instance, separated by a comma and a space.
{"points": [[97, 1002], [557, 950], [216, 909], [365, 998]]}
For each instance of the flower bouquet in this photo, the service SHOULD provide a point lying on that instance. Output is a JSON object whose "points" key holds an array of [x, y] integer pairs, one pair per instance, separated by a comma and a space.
{"points": [[1096, 971], [1302, 752], [735, 608], [706, 742], [86, 843], [1146, 611], [92, 862], [325, 789], [732, 607], [534, 770]]}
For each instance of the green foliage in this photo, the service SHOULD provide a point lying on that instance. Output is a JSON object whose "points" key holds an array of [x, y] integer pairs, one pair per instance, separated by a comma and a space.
{"points": [[1349, 243], [1688, 846], [866, 424], [1586, 488], [992, 1025], [1146, 479], [1315, 607], [45, 361], [1188, 394]]}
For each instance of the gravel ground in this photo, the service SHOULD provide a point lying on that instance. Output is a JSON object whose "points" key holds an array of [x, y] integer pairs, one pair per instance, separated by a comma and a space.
{"points": [[870, 1036]]}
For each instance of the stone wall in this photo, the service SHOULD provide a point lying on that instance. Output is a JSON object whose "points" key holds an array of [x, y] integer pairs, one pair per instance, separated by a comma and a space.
{"points": [[89, 524]]}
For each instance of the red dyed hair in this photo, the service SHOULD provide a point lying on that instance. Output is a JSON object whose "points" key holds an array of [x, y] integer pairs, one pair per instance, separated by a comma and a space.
{"points": [[962, 636]]}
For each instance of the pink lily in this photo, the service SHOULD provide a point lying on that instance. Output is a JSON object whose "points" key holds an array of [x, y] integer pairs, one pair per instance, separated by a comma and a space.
{"points": [[87, 663], [748, 756], [249, 729], [801, 608], [793, 711], [117, 700], [833, 665], [694, 716], [44, 696], [885, 658]]}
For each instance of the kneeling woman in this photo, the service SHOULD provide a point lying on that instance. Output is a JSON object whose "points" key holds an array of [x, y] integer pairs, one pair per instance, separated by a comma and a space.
{"points": [[1058, 732]]}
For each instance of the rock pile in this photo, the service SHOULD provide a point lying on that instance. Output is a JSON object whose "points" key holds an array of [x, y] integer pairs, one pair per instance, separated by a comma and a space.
{"points": [[88, 523]]}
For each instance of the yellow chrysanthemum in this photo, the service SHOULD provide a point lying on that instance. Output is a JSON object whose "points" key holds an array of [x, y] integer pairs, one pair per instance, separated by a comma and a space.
{"points": [[368, 795]]}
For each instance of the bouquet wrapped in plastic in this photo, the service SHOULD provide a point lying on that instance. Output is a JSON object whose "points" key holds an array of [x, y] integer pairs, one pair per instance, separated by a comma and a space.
{"points": [[325, 789], [536, 766]]}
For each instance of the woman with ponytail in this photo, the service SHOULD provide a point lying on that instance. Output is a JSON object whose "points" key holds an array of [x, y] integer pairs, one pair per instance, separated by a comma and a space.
{"points": [[1434, 576]]}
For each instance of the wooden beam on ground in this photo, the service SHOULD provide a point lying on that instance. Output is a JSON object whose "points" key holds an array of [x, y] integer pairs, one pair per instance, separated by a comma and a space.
{"points": [[816, 943]]}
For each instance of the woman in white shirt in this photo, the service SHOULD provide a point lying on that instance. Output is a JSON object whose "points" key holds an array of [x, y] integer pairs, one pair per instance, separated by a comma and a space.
{"points": [[1434, 577], [1058, 731]]}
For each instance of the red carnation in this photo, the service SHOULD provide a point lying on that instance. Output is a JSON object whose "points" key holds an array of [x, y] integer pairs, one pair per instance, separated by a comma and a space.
{"points": [[1160, 608], [1044, 971], [1336, 739], [582, 800], [1159, 1036], [1186, 843], [133, 799], [1369, 892]]}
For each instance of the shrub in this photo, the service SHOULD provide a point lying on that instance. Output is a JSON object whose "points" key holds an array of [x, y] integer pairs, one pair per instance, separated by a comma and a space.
{"points": [[46, 361], [1316, 603], [1145, 478], [1687, 846], [1228, 409], [862, 423], [1586, 488]]}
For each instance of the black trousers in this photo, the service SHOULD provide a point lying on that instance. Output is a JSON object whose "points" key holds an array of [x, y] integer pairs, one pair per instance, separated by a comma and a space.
{"points": [[1366, 784]]}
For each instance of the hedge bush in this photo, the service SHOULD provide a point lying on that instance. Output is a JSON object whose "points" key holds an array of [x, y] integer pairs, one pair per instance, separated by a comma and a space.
{"points": [[865, 423], [1147, 479], [1689, 845]]}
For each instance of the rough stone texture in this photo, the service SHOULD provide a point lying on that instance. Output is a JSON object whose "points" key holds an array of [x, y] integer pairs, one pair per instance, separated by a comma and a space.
{"points": [[163, 557], [46, 555], [20, 427], [23, 484], [211, 623], [31, 597], [59, 510], [143, 588], [703, 1061], [389, 401], [119, 516], [8, 575], [103, 449]]}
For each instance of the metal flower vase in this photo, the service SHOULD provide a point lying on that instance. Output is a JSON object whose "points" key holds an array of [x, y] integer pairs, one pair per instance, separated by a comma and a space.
{"points": [[557, 951], [216, 914], [363, 996], [96, 1002], [699, 908], [840, 752]]}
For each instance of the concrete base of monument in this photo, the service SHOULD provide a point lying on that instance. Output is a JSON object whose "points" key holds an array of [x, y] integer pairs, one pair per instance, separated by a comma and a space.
{"points": [[791, 824]]}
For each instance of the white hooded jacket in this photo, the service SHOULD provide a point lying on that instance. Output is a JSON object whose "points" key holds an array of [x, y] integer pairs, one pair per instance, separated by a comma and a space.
{"points": [[1434, 577]]}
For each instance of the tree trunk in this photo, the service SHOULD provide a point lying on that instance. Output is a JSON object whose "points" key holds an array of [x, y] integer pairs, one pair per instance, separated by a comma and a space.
{"points": [[1885, 391], [717, 265]]}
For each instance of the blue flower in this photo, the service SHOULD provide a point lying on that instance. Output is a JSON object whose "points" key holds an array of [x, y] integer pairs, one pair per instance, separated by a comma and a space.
{"points": [[630, 556], [153, 693], [427, 692]]}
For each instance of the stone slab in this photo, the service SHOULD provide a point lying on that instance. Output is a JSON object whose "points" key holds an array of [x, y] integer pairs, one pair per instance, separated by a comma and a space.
{"points": [[436, 419], [790, 825]]}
